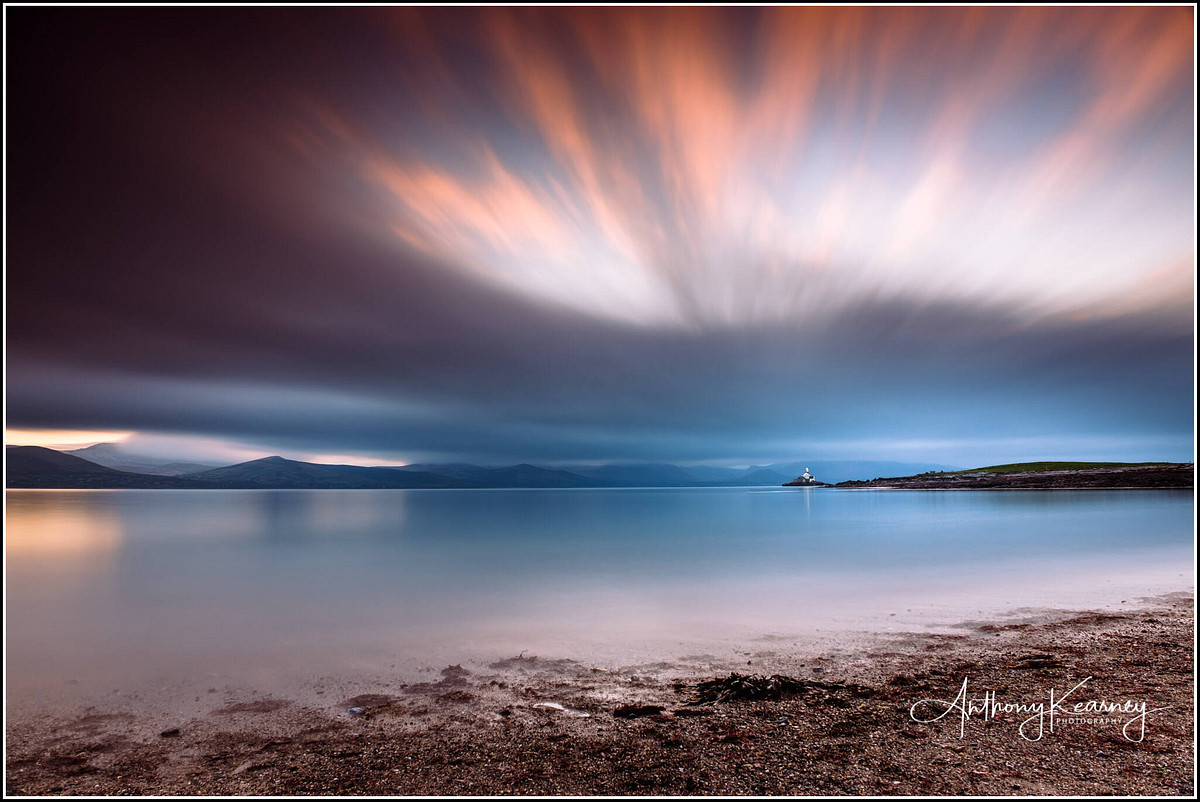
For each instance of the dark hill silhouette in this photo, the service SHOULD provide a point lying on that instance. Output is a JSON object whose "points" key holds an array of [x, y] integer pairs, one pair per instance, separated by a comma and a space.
{"points": [[285, 473], [30, 466], [532, 476], [524, 475], [633, 475], [36, 467], [763, 476]]}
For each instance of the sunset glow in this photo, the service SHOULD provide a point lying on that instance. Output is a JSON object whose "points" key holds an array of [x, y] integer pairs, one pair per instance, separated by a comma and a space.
{"points": [[60, 438]]}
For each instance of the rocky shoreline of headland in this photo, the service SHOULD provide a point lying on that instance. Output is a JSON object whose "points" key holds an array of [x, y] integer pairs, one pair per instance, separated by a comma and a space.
{"points": [[1143, 477]]}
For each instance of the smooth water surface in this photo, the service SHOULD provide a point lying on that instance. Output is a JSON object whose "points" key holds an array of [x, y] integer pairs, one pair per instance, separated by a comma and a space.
{"points": [[109, 584]]}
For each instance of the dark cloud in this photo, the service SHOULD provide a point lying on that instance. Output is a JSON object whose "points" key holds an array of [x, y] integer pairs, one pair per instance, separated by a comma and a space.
{"points": [[463, 372], [172, 267]]}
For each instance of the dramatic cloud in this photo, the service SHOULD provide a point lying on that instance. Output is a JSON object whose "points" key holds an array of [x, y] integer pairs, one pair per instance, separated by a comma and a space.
{"points": [[710, 167], [504, 234]]}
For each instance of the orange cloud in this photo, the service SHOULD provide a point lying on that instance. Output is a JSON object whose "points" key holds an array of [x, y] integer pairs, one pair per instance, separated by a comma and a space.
{"points": [[704, 165]]}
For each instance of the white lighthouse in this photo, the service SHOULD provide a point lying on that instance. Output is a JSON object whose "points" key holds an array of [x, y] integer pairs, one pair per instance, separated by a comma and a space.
{"points": [[807, 480]]}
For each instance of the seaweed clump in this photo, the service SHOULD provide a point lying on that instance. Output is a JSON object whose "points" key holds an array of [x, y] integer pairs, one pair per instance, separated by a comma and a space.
{"points": [[750, 687]]}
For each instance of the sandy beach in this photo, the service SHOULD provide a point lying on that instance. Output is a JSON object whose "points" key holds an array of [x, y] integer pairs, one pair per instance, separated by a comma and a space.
{"points": [[556, 725]]}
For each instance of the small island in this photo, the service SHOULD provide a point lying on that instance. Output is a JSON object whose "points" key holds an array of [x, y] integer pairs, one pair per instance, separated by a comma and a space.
{"points": [[804, 480]]}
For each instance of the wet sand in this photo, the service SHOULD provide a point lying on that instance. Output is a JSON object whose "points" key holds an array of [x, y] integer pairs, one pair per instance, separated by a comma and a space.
{"points": [[552, 724]]}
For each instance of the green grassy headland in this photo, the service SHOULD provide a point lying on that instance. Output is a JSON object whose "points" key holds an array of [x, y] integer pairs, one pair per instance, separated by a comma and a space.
{"points": [[1023, 467]]}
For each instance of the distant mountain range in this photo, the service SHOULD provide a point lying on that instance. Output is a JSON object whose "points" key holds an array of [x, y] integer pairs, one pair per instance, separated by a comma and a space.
{"points": [[107, 466], [31, 466], [111, 455]]}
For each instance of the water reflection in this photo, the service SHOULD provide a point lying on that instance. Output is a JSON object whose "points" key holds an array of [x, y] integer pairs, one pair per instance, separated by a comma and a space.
{"points": [[191, 578], [68, 526]]}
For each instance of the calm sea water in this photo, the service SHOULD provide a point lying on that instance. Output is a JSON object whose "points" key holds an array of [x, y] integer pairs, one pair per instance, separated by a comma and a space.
{"points": [[131, 586]]}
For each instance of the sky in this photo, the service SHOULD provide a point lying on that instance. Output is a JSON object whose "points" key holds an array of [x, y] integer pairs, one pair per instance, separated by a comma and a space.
{"points": [[497, 235]]}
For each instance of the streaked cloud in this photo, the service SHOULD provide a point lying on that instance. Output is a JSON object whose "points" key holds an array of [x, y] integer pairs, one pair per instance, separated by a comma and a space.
{"points": [[702, 166], [559, 234]]}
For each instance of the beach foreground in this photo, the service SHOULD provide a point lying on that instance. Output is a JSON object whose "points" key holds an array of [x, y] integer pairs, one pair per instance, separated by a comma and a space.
{"points": [[539, 725]]}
